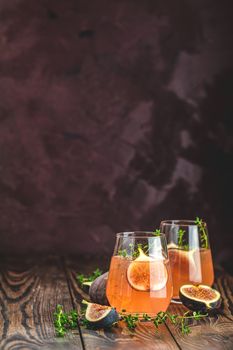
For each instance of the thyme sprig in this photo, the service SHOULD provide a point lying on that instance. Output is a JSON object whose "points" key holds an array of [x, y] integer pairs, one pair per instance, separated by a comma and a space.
{"points": [[81, 278], [180, 237], [203, 235], [134, 251], [157, 232], [123, 253], [130, 320], [202, 227], [161, 317], [63, 321]]}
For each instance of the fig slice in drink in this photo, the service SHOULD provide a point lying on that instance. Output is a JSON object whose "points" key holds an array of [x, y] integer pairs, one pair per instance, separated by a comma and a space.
{"points": [[146, 273], [139, 279]]}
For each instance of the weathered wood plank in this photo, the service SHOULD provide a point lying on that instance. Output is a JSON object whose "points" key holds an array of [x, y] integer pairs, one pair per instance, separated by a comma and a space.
{"points": [[224, 283], [214, 332], [144, 337], [29, 291]]}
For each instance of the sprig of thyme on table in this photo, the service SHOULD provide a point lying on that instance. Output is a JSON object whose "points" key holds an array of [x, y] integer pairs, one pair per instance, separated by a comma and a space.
{"points": [[161, 317], [63, 321], [81, 278], [130, 320]]}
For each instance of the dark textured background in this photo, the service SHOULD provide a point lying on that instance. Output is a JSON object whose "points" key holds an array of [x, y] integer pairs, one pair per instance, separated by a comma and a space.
{"points": [[113, 116]]}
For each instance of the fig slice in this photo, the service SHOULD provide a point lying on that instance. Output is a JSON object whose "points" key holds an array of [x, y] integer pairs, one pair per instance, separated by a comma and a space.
{"points": [[200, 297], [147, 274]]}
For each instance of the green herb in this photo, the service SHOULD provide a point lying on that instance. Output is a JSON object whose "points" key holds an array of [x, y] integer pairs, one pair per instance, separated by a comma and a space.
{"points": [[185, 329], [130, 320], [139, 246], [90, 278], [196, 315], [64, 320], [123, 253], [146, 317], [180, 237], [133, 252], [162, 317], [202, 227], [157, 232], [172, 318]]}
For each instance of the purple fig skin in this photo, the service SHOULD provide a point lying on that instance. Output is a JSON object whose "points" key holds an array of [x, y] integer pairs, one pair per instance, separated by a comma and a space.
{"points": [[97, 291], [104, 323], [199, 305]]}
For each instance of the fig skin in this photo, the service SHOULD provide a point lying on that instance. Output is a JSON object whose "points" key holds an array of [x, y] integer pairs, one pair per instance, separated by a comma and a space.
{"points": [[86, 287], [97, 291], [199, 305], [106, 322]]}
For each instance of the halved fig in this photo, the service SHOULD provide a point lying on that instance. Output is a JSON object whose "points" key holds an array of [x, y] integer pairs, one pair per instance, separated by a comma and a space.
{"points": [[100, 316], [200, 297]]}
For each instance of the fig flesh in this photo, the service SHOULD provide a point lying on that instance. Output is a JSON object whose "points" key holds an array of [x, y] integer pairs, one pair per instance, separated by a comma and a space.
{"points": [[200, 297], [100, 316]]}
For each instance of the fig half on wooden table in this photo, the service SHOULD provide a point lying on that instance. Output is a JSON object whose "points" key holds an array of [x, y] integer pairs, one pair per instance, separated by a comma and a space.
{"points": [[100, 316], [200, 297]]}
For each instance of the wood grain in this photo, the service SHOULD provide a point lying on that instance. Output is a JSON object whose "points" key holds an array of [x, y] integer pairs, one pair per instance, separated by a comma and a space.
{"points": [[213, 332], [29, 291], [224, 283], [144, 337]]}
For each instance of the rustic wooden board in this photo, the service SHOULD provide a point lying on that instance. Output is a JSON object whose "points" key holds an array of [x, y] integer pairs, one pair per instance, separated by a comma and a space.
{"points": [[144, 337], [29, 291], [214, 332]]}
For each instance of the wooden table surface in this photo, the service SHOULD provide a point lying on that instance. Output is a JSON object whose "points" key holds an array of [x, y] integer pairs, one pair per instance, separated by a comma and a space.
{"points": [[30, 289]]}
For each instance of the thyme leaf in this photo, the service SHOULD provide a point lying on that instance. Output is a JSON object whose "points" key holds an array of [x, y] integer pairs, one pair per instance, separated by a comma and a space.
{"points": [[64, 321], [123, 253], [134, 251], [157, 232], [81, 278], [180, 237], [130, 320], [202, 227], [162, 317]]}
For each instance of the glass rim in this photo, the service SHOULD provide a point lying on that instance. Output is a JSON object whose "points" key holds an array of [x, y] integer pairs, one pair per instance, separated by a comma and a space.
{"points": [[180, 222], [139, 234]]}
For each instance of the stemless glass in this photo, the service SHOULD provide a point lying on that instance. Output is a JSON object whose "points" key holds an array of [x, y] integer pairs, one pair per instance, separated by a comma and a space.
{"points": [[139, 278], [189, 253]]}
